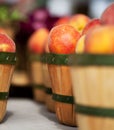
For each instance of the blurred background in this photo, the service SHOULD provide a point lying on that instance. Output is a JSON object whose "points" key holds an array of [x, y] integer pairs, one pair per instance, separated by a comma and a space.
{"points": [[20, 18]]}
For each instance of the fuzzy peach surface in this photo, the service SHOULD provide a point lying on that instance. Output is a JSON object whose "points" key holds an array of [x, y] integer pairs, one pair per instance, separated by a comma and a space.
{"points": [[62, 20], [6, 43], [79, 21], [62, 39], [107, 16], [92, 24], [37, 40], [100, 40], [80, 44]]}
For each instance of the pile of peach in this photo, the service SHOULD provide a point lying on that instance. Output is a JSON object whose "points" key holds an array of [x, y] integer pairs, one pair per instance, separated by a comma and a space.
{"points": [[77, 34]]}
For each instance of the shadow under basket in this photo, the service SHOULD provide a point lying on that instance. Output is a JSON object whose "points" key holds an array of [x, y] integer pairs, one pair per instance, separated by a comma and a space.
{"points": [[36, 74], [93, 88], [20, 85], [7, 62], [62, 89]]}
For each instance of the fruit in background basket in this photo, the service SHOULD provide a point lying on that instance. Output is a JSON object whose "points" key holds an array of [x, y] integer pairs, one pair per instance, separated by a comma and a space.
{"points": [[107, 16], [79, 21], [100, 40], [93, 23], [62, 39], [6, 43], [37, 40], [62, 20]]}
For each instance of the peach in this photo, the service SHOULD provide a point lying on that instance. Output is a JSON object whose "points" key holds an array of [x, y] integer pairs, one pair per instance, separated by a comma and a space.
{"points": [[62, 39], [37, 40], [62, 20], [93, 23], [100, 40], [107, 16], [80, 44], [79, 21], [6, 43]]}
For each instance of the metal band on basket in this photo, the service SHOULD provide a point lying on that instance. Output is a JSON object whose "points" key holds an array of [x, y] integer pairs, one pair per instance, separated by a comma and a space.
{"points": [[7, 58], [35, 57], [44, 57], [63, 98], [4, 95], [94, 111], [57, 59], [91, 59], [48, 90], [39, 86]]}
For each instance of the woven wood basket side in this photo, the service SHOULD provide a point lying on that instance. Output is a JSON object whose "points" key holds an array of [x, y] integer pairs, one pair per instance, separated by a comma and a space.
{"points": [[6, 72], [61, 84], [94, 86]]}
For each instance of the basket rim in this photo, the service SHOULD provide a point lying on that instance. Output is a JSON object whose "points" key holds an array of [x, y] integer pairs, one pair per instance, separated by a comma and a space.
{"points": [[94, 110], [57, 59], [86, 59], [8, 58]]}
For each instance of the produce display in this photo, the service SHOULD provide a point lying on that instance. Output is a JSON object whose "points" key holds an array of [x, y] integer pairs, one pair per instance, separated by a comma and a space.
{"points": [[92, 72], [7, 63], [70, 66], [36, 48], [62, 42]]}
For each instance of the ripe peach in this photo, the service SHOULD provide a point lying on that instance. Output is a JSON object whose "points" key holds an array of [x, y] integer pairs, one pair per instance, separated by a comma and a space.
{"points": [[62, 39], [80, 44], [37, 40], [93, 23], [6, 43], [100, 40], [107, 16], [79, 21]]}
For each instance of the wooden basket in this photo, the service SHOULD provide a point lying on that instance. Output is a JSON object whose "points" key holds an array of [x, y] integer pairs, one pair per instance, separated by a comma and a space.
{"points": [[37, 79], [62, 89], [93, 87], [7, 61], [47, 82]]}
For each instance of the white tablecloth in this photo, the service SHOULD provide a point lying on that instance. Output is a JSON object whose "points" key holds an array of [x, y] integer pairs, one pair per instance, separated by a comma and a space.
{"points": [[24, 114]]}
